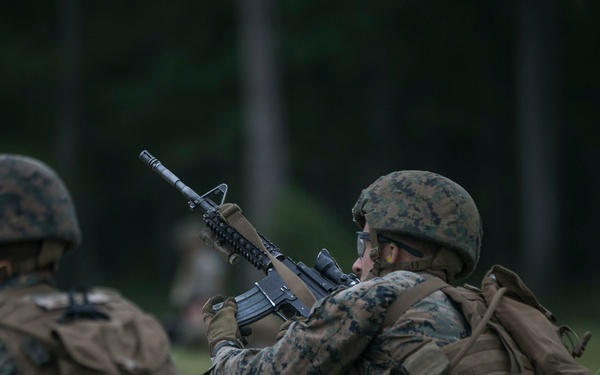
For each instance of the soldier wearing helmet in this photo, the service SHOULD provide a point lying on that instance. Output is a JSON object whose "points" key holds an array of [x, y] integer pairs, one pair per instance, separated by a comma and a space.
{"points": [[38, 224], [423, 209], [414, 225], [44, 330]]}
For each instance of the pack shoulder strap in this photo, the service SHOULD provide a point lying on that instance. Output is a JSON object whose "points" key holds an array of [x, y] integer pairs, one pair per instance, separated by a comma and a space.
{"points": [[410, 297], [479, 329]]}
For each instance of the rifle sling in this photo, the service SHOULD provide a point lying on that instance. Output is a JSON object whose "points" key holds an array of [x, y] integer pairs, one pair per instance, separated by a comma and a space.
{"points": [[232, 214], [410, 297]]}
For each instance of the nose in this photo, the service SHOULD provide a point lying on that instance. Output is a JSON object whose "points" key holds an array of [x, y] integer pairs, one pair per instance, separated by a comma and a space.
{"points": [[357, 266]]}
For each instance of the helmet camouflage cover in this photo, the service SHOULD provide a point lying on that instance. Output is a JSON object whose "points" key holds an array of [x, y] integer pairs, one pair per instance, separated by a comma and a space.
{"points": [[34, 203], [427, 206]]}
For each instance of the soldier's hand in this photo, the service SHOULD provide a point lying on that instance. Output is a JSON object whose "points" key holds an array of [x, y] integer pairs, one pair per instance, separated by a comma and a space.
{"points": [[220, 321], [245, 332], [286, 325]]}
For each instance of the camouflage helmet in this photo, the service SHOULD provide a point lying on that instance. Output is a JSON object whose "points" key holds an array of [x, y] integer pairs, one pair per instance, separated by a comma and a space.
{"points": [[427, 206], [34, 203]]}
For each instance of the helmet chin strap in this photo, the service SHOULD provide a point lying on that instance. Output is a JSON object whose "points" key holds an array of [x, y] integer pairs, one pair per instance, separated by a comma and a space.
{"points": [[447, 261], [49, 252], [374, 254], [444, 261], [382, 268]]}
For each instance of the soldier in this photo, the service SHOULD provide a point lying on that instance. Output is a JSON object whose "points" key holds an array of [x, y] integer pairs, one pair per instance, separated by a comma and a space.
{"points": [[414, 225], [200, 274], [42, 329]]}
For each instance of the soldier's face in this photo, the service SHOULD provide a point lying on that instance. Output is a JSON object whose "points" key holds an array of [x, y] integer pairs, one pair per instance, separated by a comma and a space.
{"points": [[364, 264]]}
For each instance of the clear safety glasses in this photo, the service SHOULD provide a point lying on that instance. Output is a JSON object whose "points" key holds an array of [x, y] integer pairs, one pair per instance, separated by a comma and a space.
{"points": [[362, 237]]}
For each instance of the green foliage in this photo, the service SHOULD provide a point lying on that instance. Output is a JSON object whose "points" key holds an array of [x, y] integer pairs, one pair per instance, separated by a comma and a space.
{"points": [[301, 226]]}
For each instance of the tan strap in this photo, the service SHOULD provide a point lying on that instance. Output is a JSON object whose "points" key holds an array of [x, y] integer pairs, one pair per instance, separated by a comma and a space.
{"points": [[428, 360], [480, 327], [410, 297], [232, 214]]}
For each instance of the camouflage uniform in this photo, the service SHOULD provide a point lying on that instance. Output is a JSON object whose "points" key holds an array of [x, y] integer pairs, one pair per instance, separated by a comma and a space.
{"points": [[36, 339], [345, 329], [349, 331], [42, 329]]}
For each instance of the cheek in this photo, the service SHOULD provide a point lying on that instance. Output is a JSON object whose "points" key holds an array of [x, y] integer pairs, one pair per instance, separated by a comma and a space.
{"points": [[367, 263]]}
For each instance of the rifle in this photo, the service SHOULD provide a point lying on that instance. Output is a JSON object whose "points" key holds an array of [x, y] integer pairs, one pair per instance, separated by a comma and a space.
{"points": [[282, 291]]}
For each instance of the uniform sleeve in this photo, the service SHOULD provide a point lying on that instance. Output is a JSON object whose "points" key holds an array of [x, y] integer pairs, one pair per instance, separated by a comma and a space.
{"points": [[336, 333]]}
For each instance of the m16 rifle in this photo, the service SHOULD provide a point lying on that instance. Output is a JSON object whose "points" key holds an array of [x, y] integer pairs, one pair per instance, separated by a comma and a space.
{"points": [[290, 288]]}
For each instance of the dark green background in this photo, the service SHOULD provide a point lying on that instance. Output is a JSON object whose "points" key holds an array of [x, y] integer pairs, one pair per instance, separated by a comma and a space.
{"points": [[365, 88]]}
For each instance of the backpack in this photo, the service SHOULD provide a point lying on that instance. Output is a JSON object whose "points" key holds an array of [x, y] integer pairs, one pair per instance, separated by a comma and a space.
{"points": [[512, 333], [45, 331]]}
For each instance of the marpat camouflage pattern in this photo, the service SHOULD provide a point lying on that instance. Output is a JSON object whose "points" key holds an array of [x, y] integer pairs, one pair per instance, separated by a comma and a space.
{"points": [[344, 330]]}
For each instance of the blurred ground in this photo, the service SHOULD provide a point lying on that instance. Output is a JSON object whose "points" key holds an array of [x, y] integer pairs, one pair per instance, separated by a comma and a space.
{"points": [[195, 360]]}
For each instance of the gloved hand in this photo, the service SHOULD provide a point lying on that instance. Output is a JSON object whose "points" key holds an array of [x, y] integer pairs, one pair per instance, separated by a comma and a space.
{"points": [[221, 324], [286, 325], [245, 332]]}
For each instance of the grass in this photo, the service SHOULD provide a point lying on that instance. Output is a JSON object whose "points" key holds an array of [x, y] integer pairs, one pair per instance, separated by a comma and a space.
{"points": [[189, 361], [580, 312], [195, 362], [591, 357]]}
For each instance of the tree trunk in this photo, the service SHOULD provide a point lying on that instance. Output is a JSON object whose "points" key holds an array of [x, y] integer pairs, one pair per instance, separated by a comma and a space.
{"points": [[79, 268], [537, 139], [265, 155]]}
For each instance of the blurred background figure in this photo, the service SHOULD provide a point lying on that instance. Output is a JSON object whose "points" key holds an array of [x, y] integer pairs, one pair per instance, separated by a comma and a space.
{"points": [[46, 330], [200, 274]]}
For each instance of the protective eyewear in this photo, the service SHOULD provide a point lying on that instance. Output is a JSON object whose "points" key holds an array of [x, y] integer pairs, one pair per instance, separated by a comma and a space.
{"points": [[362, 237]]}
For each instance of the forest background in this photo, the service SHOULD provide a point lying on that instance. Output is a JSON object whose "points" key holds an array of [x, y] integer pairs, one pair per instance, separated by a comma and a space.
{"points": [[297, 106]]}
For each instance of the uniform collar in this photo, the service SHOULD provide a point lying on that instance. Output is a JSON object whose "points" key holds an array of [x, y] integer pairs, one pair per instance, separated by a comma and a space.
{"points": [[25, 281]]}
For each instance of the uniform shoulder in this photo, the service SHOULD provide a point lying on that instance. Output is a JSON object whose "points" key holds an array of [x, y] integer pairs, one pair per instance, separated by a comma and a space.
{"points": [[114, 300], [383, 289], [378, 290], [53, 299], [403, 280], [398, 280]]}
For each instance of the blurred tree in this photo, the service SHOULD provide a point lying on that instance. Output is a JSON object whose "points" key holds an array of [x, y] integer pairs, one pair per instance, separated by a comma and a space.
{"points": [[84, 265], [539, 164], [265, 150], [354, 90]]}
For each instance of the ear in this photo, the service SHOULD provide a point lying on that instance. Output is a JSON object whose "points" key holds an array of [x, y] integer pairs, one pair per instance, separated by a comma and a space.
{"points": [[393, 254]]}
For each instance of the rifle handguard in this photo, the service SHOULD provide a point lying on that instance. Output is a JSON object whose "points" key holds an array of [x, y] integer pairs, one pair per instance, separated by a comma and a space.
{"points": [[212, 241]]}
